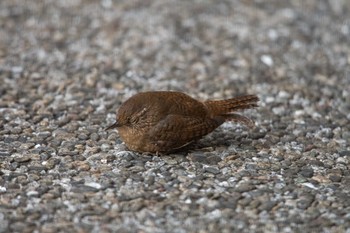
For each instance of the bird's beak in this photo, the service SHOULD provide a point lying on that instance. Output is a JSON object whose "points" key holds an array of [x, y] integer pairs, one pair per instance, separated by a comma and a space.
{"points": [[115, 125]]}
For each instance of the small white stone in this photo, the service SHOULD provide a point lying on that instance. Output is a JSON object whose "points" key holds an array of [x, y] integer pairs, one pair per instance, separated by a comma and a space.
{"points": [[299, 121], [299, 113], [17, 69], [270, 99], [273, 35], [310, 185], [188, 201], [32, 193], [316, 115], [267, 60], [342, 160], [278, 110], [283, 95], [93, 184], [3, 189]]}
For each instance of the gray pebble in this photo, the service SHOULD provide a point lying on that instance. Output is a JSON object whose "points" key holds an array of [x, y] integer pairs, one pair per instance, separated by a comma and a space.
{"points": [[304, 203], [335, 178], [267, 206], [344, 153], [198, 157], [81, 188], [83, 136], [22, 159], [105, 147], [213, 170], [244, 188], [44, 134], [94, 137], [307, 172]]}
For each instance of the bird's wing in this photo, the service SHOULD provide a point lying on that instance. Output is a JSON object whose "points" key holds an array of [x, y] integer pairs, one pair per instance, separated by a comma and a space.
{"points": [[176, 131]]}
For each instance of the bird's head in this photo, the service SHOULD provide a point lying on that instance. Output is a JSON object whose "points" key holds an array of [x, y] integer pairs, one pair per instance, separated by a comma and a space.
{"points": [[129, 115]]}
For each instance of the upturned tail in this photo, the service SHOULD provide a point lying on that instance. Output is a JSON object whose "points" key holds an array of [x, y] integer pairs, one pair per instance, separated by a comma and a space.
{"points": [[223, 110]]}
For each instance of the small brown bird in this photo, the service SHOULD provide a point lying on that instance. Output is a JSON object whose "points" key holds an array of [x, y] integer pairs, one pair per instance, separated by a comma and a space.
{"points": [[164, 121]]}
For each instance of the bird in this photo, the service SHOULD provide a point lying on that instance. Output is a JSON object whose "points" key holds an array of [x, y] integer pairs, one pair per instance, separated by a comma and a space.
{"points": [[167, 121]]}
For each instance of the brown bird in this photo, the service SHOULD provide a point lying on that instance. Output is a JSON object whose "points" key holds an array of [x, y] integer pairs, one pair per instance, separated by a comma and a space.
{"points": [[164, 121]]}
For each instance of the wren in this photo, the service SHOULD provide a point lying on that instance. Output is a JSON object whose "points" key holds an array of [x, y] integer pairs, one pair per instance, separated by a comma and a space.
{"points": [[165, 121]]}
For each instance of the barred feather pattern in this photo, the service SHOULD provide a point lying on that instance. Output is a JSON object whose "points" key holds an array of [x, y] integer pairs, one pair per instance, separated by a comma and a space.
{"points": [[164, 121], [224, 109]]}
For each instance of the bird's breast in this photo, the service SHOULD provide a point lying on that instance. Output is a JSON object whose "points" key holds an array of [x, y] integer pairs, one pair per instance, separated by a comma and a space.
{"points": [[133, 137]]}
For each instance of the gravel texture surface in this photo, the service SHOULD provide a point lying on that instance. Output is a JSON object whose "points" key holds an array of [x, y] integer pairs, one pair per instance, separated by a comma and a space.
{"points": [[66, 66]]}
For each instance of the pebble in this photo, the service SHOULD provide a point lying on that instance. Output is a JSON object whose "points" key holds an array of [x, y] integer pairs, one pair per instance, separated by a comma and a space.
{"points": [[267, 206], [44, 134], [307, 172], [105, 147], [80, 188], [335, 178], [345, 153], [94, 137], [22, 159], [4, 153], [213, 170], [304, 203], [244, 188], [83, 136], [213, 159], [197, 157]]}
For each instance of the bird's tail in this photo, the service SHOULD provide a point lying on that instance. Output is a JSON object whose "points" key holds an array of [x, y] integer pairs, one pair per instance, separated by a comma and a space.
{"points": [[223, 109]]}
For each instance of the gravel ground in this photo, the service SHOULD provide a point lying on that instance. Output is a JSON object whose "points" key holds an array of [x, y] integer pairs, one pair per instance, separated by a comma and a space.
{"points": [[66, 66]]}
